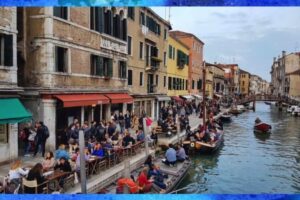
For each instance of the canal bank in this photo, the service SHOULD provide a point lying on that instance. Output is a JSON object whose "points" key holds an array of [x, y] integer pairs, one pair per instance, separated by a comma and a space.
{"points": [[249, 163]]}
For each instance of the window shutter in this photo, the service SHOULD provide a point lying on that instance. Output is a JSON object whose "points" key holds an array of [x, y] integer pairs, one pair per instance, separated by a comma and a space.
{"points": [[110, 22], [178, 58], [99, 66], [100, 18], [110, 67], [170, 51], [8, 50]]}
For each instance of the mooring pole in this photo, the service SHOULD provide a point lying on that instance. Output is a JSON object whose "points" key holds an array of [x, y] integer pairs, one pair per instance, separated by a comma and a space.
{"points": [[146, 136], [82, 162], [126, 175]]}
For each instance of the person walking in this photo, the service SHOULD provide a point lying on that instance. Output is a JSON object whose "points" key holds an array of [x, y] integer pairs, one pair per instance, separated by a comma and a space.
{"points": [[41, 137]]}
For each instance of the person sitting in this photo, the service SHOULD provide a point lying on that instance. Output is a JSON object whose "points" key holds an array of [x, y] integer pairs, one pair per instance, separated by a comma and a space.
{"points": [[36, 173], [86, 157], [49, 161], [129, 182], [170, 156], [61, 153], [180, 154], [98, 151], [144, 182], [140, 136], [128, 140], [16, 173], [154, 137], [154, 171], [148, 161], [257, 121]]}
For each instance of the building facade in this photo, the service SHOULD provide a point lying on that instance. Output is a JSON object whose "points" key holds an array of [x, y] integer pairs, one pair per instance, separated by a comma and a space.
{"points": [[218, 78], [12, 112], [209, 83], [177, 67], [195, 60], [244, 82], [147, 60], [278, 75], [73, 65]]}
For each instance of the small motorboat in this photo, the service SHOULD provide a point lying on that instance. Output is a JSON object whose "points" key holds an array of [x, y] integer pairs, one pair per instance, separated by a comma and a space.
{"points": [[268, 103], [296, 111], [261, 127], [225, 117]]}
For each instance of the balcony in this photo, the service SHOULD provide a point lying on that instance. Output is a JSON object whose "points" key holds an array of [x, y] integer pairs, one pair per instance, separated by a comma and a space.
{"points": [[154, 64], [181, 64]]}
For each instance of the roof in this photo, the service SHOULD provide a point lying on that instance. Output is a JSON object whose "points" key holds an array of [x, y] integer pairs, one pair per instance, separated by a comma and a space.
{"points": [[297, 72], [177, 40], [185, 34], [214, 65], [159, 17], [244, 72]]}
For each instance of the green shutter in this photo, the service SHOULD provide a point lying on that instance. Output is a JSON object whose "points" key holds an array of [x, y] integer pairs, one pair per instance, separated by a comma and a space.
{"points": [[178, 58], [187, 60], [170, 51], [101, 19], [110, 68], [99, 66]]}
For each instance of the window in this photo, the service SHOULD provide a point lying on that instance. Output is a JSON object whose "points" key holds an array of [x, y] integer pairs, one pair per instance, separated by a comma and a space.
{"points": [[101, 66], [97, 19], [174, 83], [147, 55], [141, 50], [165, 34], [129, 45], [170, 51], [61, 59], [193, 84], [156, 80], [3, 133], [165, 81], [129, 77], [6, 50], [173, 53], [186, 84], [170, 83], [108, 22], [61, 12], [122, 69], [165, 58], [116, 26], [183, 84], [199, 85], [131, 12], [142, 18], [182, 58], [141, 78]]}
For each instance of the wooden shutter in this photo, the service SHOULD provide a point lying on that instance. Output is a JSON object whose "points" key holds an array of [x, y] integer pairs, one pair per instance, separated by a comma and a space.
{"points": [[124, 29], [110, 67]]}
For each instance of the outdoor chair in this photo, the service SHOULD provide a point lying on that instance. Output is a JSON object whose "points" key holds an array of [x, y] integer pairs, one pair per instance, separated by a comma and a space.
{"points": [[33, 184], [69, 181], [111, 159], [101, 165]]}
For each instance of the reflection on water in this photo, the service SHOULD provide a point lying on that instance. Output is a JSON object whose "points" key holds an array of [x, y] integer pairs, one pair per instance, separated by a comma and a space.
{"points": [[248, 162]]}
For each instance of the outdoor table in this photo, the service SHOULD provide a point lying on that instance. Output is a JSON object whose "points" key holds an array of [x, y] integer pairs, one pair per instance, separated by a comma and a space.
{"points": [[55, 177], [92, 163]]}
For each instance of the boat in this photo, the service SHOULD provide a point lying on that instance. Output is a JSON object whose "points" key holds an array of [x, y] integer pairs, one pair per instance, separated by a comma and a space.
{"points": [[175, 175], [291, 108], [225, 117], [206, 148], [261, 127], [296, 111], [235, 111], [268, 103]]}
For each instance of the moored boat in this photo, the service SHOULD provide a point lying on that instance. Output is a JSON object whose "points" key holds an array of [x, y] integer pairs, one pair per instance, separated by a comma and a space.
{"points": [[225, 117], [235, 111]]}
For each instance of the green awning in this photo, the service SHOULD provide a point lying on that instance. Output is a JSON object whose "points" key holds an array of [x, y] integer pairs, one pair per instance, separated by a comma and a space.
{"points": [[12, 111]]}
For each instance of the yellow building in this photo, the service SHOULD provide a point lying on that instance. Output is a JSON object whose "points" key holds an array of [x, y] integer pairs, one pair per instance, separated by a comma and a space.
{"points": [[244, 82], [177, 67], [209, 89]]}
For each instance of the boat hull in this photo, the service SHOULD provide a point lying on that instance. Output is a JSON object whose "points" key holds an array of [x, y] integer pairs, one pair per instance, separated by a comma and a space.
{"points": [[204, 148], [225, 118], [262, 128]]}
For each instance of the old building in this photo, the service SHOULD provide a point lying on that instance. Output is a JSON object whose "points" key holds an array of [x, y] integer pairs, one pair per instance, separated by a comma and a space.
{"points": [[73, 64], [218, 78], [147, 60], [232, 79], [209, 83], [278, 75], [195, 60], [12, 111], [177, 67], [244, 82]]}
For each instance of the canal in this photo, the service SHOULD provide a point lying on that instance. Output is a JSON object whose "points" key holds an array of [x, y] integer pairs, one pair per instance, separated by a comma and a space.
{"points": [[248, 163]]}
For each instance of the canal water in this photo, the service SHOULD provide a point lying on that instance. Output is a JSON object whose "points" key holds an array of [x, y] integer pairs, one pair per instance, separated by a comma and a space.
{"points": [[248, 163]]}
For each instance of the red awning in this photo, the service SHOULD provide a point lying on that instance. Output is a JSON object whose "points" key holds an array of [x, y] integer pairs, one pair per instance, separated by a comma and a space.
{"points": [[120, 98], [177, 99], [77, 100]]}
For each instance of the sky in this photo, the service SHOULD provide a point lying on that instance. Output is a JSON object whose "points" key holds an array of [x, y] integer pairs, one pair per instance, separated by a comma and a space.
{"points": [[248, 36]]}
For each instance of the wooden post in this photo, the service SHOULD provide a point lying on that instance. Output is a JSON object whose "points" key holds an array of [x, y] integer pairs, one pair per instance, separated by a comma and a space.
{"points": [[82, 162], [126, 174], [204, 100], [146, 136]]}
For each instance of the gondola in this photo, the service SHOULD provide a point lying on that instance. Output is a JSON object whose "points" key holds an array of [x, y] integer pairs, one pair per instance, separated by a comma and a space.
{"points": [[175, 175], [226, 117]]}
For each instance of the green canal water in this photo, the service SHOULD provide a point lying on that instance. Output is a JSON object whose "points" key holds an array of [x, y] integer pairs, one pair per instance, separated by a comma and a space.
{"points": [[248, 163]]}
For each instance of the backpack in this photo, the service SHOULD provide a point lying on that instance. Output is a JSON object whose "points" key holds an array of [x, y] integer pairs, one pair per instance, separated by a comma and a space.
{"points": [[46, 132]]}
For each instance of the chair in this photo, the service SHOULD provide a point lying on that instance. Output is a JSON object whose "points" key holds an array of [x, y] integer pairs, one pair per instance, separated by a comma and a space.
{"points": [[33, 184], [17, 189], [69, 181], [101, 165], [110, 160]]}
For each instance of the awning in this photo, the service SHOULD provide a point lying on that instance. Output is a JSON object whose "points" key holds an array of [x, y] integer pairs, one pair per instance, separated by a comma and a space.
{"points": [[163, 98], [120, 98], [198, 96], [177, 99], [12, 111], [187, 97], [77, 100]]}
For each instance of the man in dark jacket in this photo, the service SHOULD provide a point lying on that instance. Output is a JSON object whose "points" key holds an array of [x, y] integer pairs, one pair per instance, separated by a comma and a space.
{"points": [[41, 138]]}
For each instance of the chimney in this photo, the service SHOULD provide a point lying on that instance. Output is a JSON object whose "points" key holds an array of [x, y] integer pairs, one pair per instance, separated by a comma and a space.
{"points": [[283, 53]]}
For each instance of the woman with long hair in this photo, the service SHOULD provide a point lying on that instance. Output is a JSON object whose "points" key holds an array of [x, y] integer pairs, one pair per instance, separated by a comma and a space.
{"points": [[49, 161], [16, 173], [36, 173]]}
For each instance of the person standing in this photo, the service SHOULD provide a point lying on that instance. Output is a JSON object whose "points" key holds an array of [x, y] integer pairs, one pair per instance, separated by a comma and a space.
{"points": [[127, 120], [41, 137]]}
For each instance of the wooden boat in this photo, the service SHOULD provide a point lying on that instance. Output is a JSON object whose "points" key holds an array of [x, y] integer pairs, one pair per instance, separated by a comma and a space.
{"points": [[262, 128], [235, 111], [226, 117], [175, 174]]}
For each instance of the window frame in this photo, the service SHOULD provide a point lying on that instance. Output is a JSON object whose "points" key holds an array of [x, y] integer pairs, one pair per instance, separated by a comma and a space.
{"points": [[129, 77], [129, 45], [61, 12], [66, 59], [141, 81]]}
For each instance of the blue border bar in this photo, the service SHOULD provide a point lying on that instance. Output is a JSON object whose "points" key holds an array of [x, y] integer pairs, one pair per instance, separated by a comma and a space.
{"points": [[149, 197], [149, 2]]}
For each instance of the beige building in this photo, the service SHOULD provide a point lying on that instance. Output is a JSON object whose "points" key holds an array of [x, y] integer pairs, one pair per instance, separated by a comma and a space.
{"points": [[218, 78], [74, 64], [244, 82], [12, 112], [147, 54], [292, 75]]}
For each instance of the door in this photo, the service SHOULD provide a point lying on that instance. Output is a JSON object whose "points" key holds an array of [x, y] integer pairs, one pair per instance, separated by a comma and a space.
{"points": [[150, 83]]}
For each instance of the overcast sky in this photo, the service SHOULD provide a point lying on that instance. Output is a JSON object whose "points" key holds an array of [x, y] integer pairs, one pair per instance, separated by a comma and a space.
{"points": [[249, 36]]}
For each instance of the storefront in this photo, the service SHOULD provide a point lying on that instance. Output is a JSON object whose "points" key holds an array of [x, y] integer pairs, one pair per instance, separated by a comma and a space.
{"points": [[12, 112], [161, 101], [144, 104]]}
